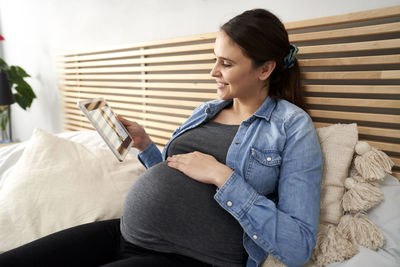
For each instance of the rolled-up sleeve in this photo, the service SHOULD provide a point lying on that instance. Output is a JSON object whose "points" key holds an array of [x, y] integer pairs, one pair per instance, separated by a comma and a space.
{"points": [[150, 156]]}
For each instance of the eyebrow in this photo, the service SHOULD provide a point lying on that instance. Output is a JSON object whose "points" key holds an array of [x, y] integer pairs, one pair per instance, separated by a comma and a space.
{"points": [[224, 58]]}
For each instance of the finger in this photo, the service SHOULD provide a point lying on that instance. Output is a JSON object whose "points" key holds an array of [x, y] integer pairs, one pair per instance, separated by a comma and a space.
{"points": [[176, 157], [172, 164], [122, 119], [176, 165], [184, 158]]}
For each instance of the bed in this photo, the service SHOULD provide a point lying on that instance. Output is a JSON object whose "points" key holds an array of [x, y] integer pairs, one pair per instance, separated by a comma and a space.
{"points": [[351, 76]]}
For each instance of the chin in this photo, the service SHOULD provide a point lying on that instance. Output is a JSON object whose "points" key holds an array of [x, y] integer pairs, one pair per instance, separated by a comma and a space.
{"points": [[223, 96]]}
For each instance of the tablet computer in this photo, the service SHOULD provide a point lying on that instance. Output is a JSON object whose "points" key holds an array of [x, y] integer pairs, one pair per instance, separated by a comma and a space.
{"points": [[108, 126]]}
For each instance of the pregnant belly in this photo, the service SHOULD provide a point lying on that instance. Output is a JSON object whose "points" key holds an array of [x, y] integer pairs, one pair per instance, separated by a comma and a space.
{"points": [[166, 206]]}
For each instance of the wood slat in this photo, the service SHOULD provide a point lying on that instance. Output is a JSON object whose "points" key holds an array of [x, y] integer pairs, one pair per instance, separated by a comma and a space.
{"points": [[146, 84], [353, 75], [159, 140], [355, 116], [151, 124], [79, 120], [122, 62], [142, 92], [125, 77], [167, 41], [353, 102], [359, 16], [175, 120], [374, 131], [139, 107], [172, 102], [350, 47], [346, 33], [351, 61], [86, 124], [353, 89], [383, 132], [140, 52], [387, 147], [180, 67], [165, 134], [396, 160], [128, 84]]}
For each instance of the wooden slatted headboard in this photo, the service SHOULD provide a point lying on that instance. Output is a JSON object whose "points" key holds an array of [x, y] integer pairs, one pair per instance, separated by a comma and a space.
{"points": [[350, 68]]}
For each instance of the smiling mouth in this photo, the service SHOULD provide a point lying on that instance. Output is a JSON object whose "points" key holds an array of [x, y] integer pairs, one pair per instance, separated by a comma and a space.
{"points": [[221, 85]]}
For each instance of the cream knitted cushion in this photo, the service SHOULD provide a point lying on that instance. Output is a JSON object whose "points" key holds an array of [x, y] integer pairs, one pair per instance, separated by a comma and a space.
{"points": [[337, 144]]}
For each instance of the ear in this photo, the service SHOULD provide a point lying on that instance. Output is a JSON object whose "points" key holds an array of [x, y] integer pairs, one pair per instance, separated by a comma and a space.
{"points": [[266, 69]]}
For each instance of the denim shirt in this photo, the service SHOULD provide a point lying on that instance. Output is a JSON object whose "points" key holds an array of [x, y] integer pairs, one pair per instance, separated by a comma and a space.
{"points": [[274, 190]]}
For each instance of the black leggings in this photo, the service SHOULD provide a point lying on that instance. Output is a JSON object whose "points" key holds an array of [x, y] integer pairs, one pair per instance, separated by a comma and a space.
{"points": [[93, 244]]}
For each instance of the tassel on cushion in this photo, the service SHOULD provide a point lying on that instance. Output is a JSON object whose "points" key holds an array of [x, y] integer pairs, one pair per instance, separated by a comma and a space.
{"points": [[332, 246], [271, 261], [360, 196], [371, 163], [361, 231]]}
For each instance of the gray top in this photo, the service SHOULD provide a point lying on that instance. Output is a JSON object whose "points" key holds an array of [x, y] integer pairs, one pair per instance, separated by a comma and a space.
{"points": [[167, 211]]}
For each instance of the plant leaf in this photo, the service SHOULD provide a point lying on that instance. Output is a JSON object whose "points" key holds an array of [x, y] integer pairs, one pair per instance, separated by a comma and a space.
{"points": [[24, 94], [20, 71], [3, 65], [4, 119], [13, 75]]}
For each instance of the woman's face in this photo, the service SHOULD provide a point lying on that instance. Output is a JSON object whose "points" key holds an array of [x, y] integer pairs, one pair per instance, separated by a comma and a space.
{"points": [[234, 73]]}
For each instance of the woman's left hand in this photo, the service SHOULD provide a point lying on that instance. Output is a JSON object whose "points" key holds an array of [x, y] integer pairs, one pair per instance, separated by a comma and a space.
{"points": [[201, 167]]}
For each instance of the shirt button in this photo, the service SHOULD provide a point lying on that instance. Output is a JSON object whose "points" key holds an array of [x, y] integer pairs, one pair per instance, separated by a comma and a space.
{"points": [[229, 203], [246, 124], [255, 237], [208, 110], [237, 142], [269, 159]]}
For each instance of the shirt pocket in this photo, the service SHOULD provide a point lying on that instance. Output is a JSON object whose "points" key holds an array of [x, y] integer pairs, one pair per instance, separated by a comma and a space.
{"points": [[263, 169]]}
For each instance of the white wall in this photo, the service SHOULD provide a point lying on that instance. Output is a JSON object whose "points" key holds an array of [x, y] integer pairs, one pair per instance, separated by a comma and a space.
{"points": [[38, 30]]}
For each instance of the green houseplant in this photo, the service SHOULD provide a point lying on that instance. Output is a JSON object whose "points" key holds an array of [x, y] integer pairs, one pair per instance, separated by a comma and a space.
{"points": [[22, 91]]}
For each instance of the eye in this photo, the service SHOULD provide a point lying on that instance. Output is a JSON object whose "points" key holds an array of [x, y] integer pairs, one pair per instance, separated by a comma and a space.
{"points": [[226, 64]]}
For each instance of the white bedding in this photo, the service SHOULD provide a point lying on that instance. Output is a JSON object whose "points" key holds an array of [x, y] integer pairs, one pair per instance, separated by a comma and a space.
{"points": [[9, 155], [386, 215], [58, 183]]}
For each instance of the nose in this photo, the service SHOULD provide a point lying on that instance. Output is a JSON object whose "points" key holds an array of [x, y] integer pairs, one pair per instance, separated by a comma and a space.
{"points": [[215, 71]]}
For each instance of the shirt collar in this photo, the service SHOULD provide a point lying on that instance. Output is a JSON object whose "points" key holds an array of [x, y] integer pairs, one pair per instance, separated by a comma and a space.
{"points": [[264, 111]]}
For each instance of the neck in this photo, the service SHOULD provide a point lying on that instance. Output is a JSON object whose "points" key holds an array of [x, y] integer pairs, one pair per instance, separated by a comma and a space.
{"points": [[244, 108]]}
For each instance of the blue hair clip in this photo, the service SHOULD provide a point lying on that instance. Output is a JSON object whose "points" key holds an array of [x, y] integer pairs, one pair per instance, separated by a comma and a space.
{"points": [[290, 57]]}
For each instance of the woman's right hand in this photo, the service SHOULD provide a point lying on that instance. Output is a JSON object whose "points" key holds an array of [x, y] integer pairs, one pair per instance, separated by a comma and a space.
{"points": [[140, 138]]}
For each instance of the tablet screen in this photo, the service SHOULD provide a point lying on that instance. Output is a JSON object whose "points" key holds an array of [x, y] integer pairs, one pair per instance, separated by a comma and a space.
{"points": [[109, 127]]}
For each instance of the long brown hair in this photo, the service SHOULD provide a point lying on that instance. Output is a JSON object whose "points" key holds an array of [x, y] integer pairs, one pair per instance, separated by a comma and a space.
{"points": [[263, 37]]}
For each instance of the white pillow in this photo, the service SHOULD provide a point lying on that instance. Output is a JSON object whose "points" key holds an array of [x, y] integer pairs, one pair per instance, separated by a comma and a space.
{"points": [[58, 184], [9, 155]]}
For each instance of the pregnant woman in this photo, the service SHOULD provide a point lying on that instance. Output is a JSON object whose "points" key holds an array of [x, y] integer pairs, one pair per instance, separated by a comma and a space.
{"points": [[239, 180]]}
